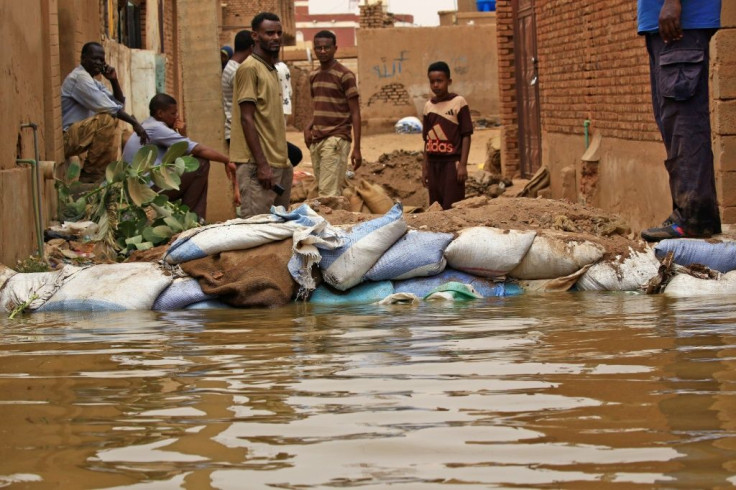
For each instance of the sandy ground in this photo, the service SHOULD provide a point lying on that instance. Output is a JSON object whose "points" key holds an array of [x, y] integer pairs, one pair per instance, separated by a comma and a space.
{"points": [[374, 145]]}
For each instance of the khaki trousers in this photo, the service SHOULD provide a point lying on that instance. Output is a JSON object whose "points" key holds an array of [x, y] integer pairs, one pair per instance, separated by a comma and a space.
{"points": [[329, 162], [96, 136], [254, 199]]}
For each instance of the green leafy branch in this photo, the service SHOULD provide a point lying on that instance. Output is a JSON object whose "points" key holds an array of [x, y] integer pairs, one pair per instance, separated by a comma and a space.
{"points": [[129, 213]]}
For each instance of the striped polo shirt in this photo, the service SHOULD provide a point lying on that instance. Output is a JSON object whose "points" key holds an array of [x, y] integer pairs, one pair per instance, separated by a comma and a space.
{"points": [[331, 89]]}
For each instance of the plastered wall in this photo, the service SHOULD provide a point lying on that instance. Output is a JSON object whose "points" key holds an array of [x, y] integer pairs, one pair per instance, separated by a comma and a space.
{"points": [[392, 71]]}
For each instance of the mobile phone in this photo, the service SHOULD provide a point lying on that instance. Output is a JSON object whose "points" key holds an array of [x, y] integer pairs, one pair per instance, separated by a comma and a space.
{"points": [[278, 189]]}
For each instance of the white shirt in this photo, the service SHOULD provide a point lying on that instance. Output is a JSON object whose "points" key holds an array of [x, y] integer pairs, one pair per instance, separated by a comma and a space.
{"points": [[228, 75], [285, 80], [82, 97]]}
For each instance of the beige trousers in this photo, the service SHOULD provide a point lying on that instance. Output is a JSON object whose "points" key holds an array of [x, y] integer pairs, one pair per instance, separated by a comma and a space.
{"points": [[329, 162], [96, 136], [254, 199]]}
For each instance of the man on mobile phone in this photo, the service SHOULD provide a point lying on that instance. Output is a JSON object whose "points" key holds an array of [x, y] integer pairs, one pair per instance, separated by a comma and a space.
{"points": [[89, 113]]}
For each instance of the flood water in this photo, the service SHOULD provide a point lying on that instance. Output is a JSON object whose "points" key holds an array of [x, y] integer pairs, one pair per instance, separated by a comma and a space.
{"points": [[576, 390]]}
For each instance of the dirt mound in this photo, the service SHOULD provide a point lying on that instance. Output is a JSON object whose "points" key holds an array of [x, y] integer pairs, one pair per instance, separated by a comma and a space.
{"points": [[400, 174], [517, 213]]}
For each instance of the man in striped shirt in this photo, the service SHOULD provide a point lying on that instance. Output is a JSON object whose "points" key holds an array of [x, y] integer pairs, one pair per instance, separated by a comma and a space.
{"points": [[336, 111]]}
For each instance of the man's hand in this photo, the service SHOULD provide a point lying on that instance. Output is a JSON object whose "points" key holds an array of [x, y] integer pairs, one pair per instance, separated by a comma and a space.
{"points": [[308, 136], [109, 72], [462, 172], [180, 127], [264, 174], [425, 176], [356, 158], [141, 133], [670, 28]]}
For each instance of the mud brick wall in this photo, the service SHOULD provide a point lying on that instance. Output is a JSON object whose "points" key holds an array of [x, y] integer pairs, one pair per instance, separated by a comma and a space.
{"points": [[237, 14], [507, 87], [375, 16], [593, 65]]}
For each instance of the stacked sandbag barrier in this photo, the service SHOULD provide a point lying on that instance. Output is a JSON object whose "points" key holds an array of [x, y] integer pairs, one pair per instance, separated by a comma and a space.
{"points": [[270, 260]]}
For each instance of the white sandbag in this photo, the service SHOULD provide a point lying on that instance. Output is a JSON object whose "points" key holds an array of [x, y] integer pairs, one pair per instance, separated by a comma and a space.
{"points": [[5, 274], [629, 274], [235, 234], [556, 285], [719, 256], [687, 286], [416, 254], [345, 266], [111, 287], [488, 252], [21, 288], [556, 255], [181, 293]]}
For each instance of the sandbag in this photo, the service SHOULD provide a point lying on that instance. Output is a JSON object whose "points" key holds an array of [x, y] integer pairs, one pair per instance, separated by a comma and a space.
{"points": [[416, 254], [453, 291], [629, 274], [556, 255], [488, 252], [18, 289], [111, 287], [210, 304], [422, 286], [375, 197], [182, 292], [687, 286], [556, 285], [344, 267], [235, 234], [719, 256], [254, 277], [5, 274], [362, 294]]}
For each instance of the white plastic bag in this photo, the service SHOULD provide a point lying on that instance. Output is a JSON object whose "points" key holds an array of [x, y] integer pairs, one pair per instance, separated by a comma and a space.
{"points": [[687, 286]]}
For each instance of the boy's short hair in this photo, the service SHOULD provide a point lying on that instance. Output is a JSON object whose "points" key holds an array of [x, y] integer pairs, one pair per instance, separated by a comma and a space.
{"points": [[259, 18], [439, 66], [327, 35], [243, 40], [160, 102]]}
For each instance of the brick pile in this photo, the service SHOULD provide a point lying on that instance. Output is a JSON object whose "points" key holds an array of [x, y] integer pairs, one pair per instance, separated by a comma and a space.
{"points": [[375, 16]]}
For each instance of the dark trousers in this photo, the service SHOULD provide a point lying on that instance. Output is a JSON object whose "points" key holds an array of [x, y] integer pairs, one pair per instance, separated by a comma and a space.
{"points": [[443, 185], [679, 79], [193, 189]]}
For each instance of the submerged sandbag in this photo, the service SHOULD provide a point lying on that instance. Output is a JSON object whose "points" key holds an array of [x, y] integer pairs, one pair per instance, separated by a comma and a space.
{"points": [[555, 255], [183, 292], [619, 274], [345, 266], [111, 287], [416, 254], [235, 234], [210, 304], [422, 286], [687, 286], [362, 294], [556, 285], [34, 288], [254, 277], [453, 291], [488, 252], [719, 256]]}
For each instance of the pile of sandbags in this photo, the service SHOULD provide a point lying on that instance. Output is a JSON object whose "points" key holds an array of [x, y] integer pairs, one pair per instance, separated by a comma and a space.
{"points": [[270, 260]]}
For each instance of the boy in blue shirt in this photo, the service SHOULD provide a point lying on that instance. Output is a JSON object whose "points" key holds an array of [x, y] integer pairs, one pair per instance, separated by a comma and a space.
{"points": [[677, 36]]}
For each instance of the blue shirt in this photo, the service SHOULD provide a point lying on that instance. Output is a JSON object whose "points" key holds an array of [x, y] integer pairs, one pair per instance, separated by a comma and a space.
{"points": [[696, 14], [159, 134], [82, 97]]}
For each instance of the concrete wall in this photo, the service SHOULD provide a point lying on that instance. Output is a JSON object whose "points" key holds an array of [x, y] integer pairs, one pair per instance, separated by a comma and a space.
{"points": [[392, 71]]}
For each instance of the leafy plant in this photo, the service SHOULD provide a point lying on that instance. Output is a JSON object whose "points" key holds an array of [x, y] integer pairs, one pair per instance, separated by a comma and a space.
{"points": [[130, 214]]}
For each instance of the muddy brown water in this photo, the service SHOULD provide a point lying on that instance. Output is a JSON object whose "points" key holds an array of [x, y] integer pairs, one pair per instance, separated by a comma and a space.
{"points": [[583, 390]]}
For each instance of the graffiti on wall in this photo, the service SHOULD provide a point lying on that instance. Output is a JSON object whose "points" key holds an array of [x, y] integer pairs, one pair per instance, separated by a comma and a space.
{"points": [[389, 69]]}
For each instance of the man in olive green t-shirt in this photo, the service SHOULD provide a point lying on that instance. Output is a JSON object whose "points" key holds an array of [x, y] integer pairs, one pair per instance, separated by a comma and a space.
{"points": [[258, 136]]}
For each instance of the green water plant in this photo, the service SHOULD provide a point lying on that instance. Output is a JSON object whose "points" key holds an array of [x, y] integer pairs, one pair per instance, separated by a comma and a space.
{"points": [[130, 214]]}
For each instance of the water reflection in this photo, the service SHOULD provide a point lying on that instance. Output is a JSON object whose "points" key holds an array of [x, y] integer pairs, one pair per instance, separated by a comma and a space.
{"points": [[536, 391]]}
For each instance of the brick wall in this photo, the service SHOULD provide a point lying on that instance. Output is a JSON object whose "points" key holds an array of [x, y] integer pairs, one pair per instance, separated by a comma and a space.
{"points": [[507, 87], [375, 16], [593, 65], [237, 14], [169, 49]]}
